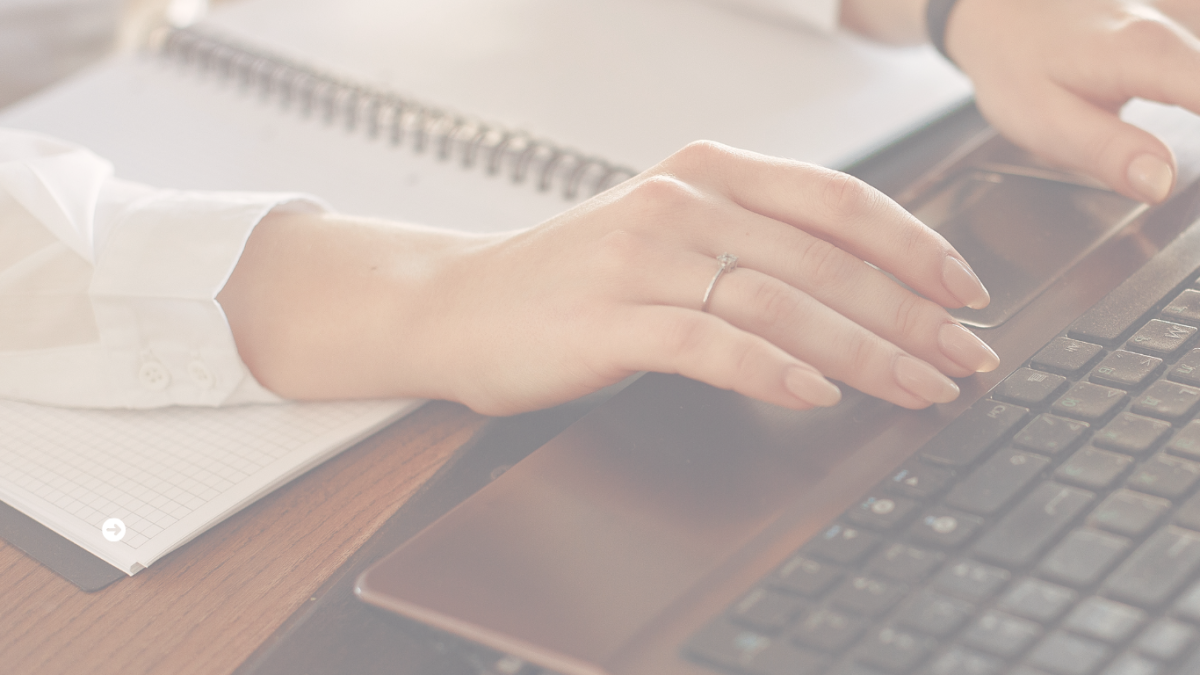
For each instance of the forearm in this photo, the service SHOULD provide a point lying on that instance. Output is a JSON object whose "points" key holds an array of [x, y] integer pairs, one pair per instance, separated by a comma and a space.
{"points": [[327, 306], [889, 21]]}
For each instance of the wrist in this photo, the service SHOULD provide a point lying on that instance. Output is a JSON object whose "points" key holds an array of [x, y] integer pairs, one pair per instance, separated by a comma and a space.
{"points": [[328, 307]]}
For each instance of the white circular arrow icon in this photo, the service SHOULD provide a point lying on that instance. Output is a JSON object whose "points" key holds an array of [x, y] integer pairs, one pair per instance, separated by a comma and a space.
{"points": [[113, 529]]}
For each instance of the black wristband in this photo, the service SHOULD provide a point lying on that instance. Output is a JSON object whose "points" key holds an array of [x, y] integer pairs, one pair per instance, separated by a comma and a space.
{"points": [[937, 14]]}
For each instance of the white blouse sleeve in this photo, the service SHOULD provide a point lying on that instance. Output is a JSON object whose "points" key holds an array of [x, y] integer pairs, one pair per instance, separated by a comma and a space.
{"points": [[108, 288], [819, 14]]}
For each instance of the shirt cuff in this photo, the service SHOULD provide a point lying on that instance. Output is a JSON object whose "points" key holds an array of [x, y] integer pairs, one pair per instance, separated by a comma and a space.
{"points": [[164, 260]]}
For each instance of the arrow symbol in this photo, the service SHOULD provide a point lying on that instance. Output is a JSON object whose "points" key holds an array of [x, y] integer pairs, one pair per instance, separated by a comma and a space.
{"points": [[113, 529]]}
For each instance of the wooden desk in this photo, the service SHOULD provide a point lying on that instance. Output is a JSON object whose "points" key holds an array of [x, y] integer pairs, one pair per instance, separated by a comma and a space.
{"points": [[207, 606]]}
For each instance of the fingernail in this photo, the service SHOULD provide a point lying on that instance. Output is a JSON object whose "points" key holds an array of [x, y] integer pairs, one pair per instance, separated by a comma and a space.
{"points": [[963, 284], [924, 381], [964, 348], [809, 386], [1151, 177]]}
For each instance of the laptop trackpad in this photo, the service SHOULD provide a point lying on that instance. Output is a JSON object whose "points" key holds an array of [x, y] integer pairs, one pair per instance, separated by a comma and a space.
{"points": [[1020, 232]]}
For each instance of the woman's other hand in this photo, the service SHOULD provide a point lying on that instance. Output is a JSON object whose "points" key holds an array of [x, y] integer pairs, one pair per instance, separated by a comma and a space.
{"points": [[1052, 75]]}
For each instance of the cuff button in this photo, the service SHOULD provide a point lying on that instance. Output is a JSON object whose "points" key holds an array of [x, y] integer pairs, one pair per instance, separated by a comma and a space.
{"points": [[154, 376], [201, 375]]}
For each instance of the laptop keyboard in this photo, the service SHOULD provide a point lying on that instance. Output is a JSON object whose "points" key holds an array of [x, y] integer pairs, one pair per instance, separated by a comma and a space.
{"points": [[1052, 529]]}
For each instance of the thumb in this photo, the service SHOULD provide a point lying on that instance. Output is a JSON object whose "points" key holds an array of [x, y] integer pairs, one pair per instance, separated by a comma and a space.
{"points": [[1078, 134]]}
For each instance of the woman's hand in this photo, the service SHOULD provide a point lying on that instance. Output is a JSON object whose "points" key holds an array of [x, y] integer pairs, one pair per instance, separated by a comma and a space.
{"points": [[337, 307], [1052, 75]]}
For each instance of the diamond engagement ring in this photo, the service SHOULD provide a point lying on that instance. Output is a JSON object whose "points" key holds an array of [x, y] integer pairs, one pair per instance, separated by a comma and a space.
{"points": [[728, 264]]}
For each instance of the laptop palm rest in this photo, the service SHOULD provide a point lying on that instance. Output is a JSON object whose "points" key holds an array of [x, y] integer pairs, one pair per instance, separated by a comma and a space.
{"points": [[567, 557]]}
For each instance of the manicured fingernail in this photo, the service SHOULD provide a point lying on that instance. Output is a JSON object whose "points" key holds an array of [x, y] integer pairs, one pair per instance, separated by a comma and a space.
{"points": [[963, 284], [964, 348], [924, 381], [1151, 177], [809, 386]]}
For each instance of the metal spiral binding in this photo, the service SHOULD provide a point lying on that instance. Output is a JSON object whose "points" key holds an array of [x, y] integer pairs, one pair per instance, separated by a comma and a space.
{"points": [[401, 121]]}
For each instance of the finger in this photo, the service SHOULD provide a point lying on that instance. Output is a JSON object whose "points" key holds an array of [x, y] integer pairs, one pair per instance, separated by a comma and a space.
{"points": [[835, 345], [1080, 135], [1159, 61], [842, 210], [856, 290], [703, 347]]}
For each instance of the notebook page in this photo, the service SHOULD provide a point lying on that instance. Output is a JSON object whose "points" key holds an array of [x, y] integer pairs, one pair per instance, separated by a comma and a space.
{"points": [[168, 474], [630, 80]]}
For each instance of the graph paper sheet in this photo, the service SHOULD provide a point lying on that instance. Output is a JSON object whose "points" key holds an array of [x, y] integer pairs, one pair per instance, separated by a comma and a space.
{"points": [[168, 474]]}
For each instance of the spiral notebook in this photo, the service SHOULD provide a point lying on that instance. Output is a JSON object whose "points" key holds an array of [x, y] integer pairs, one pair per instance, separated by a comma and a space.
{"points": [[313, 95]]}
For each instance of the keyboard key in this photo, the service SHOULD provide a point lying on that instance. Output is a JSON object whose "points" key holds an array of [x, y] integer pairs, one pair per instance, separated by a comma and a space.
{"points": [[944, 528], [828, 630], [1039, 600], [1165, 476], [782, 658], [880, 512], [893, 650], [1000, 634], [971, 580], [1029, 387], [1131, 434], [1126, 370], [1089, 402], [1050, 434], [1188, 604], [1167, 400], [962, 661], [1160, 338], [867, 596], [1105, 620], [1185, 308], [806, 576], [1093, 468], [1166, 639], [1083, 557], [766, 610], [1132, 664], [842, 544], [1129, 513], [1065, 654], [920, 481], [905, 563], [1036, 521], [1186, 443], [933, 613], [973, 433], [1157, 569], [1191, 664], [745, 651], [995, 482], [1188, 514], [1187, 369], [1066, 356]]}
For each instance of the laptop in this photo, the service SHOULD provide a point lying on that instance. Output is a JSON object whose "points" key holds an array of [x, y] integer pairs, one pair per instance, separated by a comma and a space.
{"points": [[1045, 523]]}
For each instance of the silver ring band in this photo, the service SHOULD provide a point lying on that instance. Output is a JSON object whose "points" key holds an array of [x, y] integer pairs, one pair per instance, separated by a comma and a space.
{"points": [[728, 264]]}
